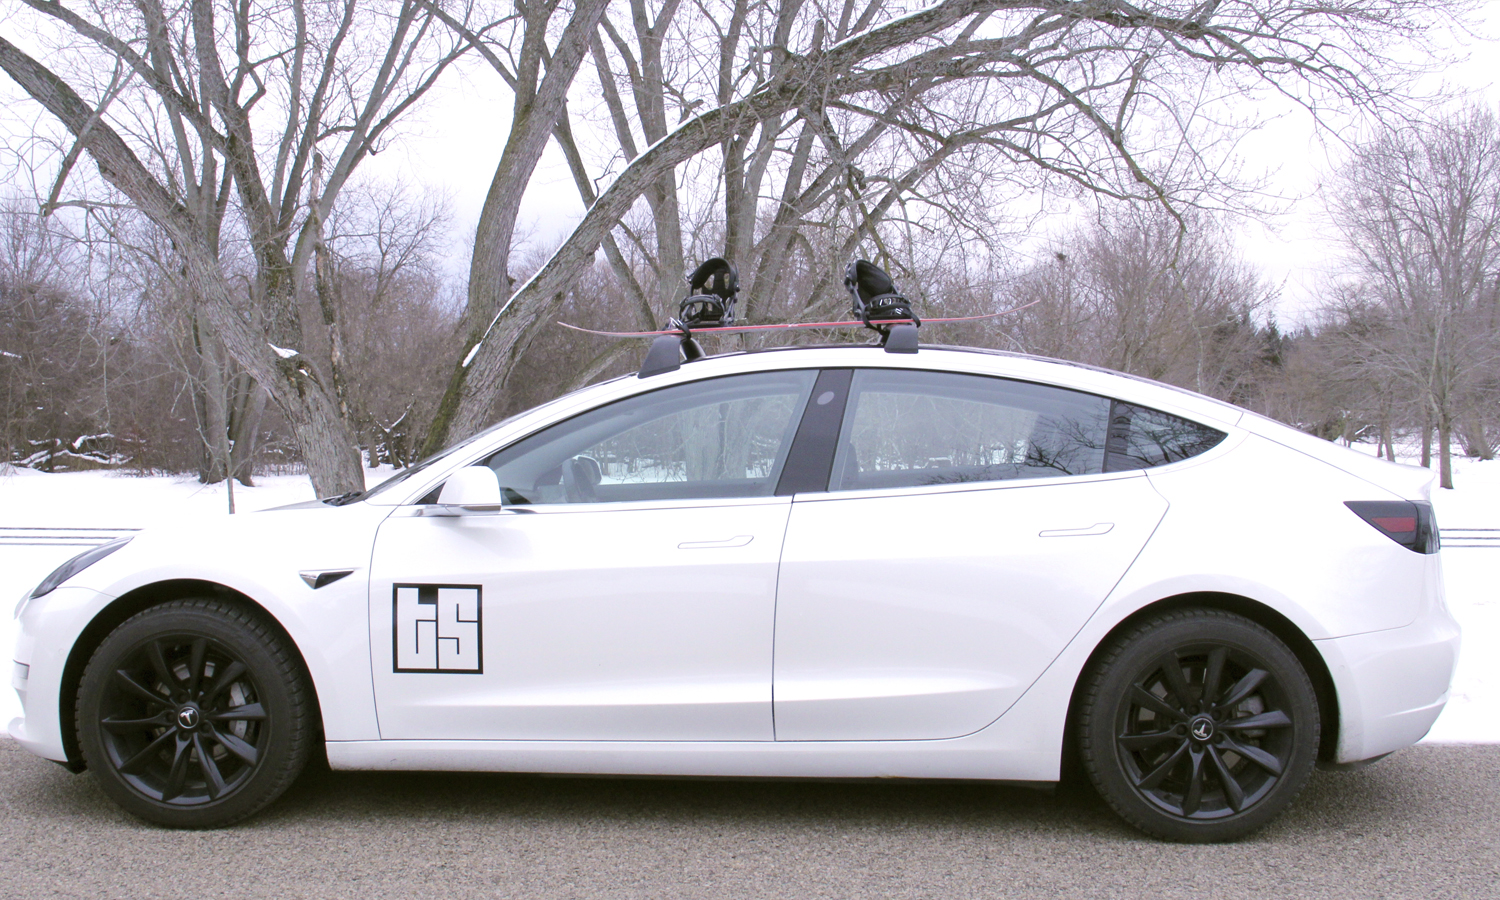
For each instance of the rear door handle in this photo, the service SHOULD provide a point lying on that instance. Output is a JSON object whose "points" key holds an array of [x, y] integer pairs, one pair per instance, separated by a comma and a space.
{"points": [[739, 540], [1100, 528]]}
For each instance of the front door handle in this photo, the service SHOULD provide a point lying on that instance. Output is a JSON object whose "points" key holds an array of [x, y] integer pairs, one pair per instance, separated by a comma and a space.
{"points": [[739, 540], [1100, 528]]}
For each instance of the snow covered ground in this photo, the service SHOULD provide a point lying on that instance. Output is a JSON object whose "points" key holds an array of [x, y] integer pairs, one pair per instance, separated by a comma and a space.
{"points": [[109, 500]]}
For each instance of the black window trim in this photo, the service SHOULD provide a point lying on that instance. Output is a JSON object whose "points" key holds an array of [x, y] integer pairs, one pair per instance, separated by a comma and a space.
{"points": [[809, 463]]}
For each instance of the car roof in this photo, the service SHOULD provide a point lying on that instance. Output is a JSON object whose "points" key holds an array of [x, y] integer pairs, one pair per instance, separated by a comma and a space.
{"points": [[976, 360]]}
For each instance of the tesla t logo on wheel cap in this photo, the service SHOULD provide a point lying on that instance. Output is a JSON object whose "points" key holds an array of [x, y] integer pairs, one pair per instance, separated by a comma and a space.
{"points": [[187, 717], [1203, 728]]}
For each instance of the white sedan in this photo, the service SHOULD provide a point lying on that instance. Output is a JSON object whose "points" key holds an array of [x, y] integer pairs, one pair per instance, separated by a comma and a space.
{"points": [[819, 562]]}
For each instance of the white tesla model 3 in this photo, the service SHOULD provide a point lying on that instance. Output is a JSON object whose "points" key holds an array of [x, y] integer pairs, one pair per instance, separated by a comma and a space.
{"points": [[818, 562]]}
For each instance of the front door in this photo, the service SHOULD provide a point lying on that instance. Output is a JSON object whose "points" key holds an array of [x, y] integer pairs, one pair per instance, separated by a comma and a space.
{"points": [[627, 591]]}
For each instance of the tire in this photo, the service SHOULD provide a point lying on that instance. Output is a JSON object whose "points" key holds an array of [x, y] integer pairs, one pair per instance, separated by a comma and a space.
{"points": [[194, 714], [1198, 726]]}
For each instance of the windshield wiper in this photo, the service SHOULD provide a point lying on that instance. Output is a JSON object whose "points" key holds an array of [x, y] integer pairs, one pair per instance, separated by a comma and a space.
{"points": [[342, 499]]}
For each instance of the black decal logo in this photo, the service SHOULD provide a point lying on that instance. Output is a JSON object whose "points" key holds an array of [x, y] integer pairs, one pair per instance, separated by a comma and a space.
{"points": [[437, 628]]}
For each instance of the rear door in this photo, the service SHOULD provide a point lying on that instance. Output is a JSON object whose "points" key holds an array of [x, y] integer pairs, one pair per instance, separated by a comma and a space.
{"points": [[969, 532]]}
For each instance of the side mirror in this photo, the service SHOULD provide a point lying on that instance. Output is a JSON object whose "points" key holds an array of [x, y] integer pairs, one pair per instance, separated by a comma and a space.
{"points": [[470, 489]]}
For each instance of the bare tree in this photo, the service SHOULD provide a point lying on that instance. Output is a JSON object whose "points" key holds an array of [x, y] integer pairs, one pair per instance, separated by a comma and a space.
{"points": [[1084, 94], [247, 98], [1139, 294], [1419, 208]]}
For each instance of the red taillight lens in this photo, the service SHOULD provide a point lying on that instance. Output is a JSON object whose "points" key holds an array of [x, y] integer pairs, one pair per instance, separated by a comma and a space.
{"points": [[1409, 523]]}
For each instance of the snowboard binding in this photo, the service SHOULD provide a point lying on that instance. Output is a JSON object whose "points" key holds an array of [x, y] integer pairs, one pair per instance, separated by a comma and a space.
{"points": [[882, 307], [711, 290]]}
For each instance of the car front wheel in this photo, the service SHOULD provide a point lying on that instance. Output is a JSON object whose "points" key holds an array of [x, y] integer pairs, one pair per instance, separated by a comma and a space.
{"points": [[194, 714], [1198, 725]]}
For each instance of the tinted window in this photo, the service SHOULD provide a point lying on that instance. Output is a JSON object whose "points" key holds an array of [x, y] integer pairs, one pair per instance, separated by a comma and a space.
{"points": [[1141, 438], [725, 437], [908, 428]]}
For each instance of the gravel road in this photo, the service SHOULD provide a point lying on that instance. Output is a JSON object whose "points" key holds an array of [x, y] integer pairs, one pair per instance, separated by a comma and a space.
{"points": [[1423, 823]]}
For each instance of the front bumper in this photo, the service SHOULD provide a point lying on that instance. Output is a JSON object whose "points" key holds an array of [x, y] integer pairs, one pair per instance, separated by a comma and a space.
{"points": [[50, 626], [1391, 684]]}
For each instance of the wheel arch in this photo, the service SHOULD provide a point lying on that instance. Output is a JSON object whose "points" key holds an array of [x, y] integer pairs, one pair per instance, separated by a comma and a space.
{"points": [[129, 604], [1283, 628]]}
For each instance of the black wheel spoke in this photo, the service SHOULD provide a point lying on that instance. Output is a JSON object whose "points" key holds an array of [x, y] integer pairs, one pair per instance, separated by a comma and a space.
{"points": [[128, 726], [236, 746], [1194, 795], [1213, 673], [1159, 773], [1232, 790], [140, 691], [211, 772], [248, 712], [1133, 742], [1254, 754], [1244, 687], [177, 777], [1143, 697], [135, 764], [195, 666], [232, 673], [1274, 718], [1171, 672], [163, 672]]}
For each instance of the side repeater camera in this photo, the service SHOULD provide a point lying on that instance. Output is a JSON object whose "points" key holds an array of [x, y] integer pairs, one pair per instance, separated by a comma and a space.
{"points": [[1410, 523]]}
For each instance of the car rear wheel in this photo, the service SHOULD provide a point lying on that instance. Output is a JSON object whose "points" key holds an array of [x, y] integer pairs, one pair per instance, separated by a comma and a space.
{"points": [[194, 714], [1198, 725]]}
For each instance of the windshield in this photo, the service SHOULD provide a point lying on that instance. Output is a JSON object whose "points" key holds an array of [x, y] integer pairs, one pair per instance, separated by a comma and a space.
{"points": [[419, 466]]}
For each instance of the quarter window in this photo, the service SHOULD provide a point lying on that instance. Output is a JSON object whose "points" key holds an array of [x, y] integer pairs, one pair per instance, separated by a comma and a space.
{"points": [[1141, 438], [719, 438]]}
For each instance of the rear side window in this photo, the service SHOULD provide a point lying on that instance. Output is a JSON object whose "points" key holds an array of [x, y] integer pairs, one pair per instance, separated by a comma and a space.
{"points": [[1140, 438], [907, 428]]}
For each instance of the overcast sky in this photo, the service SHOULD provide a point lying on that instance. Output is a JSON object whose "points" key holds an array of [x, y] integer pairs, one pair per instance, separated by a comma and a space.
{"points": [[452, 143]]}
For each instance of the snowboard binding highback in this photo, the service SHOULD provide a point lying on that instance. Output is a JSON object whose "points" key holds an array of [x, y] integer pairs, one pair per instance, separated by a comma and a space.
{"points": [[711, 290], [882, 307]]}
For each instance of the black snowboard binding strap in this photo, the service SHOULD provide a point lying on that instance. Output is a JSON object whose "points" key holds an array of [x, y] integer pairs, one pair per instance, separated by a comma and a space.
{"points": [[882, 307], [711, 290], [876, 298]]}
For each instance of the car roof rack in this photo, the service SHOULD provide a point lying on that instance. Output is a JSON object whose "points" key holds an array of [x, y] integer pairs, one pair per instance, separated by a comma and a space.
{"points": [[709, 307]]}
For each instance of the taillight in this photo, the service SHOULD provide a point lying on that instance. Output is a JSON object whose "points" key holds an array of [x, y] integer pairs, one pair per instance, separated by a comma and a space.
{"points": [[1409, 523]]}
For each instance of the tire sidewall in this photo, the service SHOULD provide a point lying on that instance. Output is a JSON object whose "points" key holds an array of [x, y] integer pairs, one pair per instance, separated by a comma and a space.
{"points": [[1135, 651], [284, 752]]}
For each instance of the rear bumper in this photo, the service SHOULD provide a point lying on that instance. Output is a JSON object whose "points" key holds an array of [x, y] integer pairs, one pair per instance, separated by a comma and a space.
{"points": [[1391, 684]]}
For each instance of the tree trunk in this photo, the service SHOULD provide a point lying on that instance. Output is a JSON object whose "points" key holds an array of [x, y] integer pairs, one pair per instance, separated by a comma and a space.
{"points": [[1445, 453], [213, 418], [244, 428]]}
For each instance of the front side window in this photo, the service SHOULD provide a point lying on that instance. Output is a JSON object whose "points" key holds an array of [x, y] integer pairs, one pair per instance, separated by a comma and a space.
{"points": [[914, 428], [719, 438]]}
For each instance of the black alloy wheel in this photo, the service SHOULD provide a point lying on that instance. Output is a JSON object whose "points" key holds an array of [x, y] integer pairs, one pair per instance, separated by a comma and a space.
{"points": [[1198, 725], [194, 714]]}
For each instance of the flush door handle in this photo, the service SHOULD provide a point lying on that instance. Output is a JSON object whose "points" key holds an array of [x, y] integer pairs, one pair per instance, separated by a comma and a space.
{"points": [[1100, 528], [738, 540]]}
